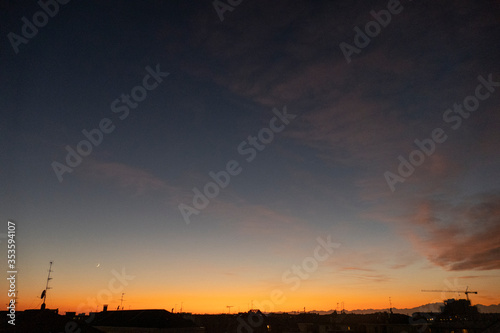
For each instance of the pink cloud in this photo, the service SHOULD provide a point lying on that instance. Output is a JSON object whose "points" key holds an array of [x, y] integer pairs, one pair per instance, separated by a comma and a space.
{"points": [[457, 237]]}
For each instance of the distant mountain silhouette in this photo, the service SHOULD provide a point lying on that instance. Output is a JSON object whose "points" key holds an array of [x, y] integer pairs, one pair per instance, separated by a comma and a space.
{"points": [[430, 307]]}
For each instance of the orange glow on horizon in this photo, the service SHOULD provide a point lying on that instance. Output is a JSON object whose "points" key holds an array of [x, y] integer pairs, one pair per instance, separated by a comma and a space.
{"points": [[216, 304]]}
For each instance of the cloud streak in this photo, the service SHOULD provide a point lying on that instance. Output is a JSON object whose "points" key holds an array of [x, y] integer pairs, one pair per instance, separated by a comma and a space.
{"points": [[125, 177]]}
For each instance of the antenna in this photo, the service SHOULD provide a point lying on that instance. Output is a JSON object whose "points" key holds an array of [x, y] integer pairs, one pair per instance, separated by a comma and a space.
{"points": [[121, 301], [44, 293]]}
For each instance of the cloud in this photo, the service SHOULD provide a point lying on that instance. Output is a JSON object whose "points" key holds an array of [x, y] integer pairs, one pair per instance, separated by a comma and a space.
{"points": [[452, 230], [258, 220], [465, 236], [364, 274], [125, 177], [373, 277], [364, 114], [350, 268], [471, 277]]}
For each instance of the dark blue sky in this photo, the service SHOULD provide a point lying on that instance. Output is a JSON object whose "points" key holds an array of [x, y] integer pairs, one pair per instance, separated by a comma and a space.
{"points": [[324, 173]]}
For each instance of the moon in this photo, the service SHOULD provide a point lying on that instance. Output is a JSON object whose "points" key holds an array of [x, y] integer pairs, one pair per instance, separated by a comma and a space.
{"points": [[98, 264]]}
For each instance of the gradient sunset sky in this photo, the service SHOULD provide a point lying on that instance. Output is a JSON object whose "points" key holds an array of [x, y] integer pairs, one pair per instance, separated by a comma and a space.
{"points": [[322, 175]]}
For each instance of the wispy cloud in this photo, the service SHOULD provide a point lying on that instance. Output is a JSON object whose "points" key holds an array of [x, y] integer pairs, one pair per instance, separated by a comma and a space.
{"points": [[363, 115], [124, 177], [373, 277], [366, 274], [460, 236], [350, 268], [258, 220]]}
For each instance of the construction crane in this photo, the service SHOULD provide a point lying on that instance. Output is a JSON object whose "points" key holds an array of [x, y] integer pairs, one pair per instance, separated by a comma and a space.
{"points": [[466, 292], [229, 308]]}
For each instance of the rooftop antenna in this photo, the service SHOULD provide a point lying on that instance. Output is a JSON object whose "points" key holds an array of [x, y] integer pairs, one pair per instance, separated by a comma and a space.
{"points": [[229, 308], [44, 293], [121, 301]]}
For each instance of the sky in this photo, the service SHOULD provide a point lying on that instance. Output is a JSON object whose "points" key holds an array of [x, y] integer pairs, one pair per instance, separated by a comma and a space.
{"points": [[274, 155]]}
